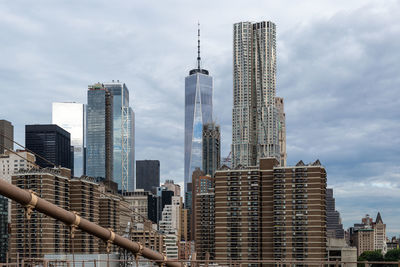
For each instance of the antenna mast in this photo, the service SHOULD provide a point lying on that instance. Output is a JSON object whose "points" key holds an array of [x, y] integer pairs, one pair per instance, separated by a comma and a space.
{"points": [[198, 46]]}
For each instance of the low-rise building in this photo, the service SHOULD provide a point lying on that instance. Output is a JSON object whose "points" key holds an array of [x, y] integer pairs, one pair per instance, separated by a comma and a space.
{"points": [[338, 250]]}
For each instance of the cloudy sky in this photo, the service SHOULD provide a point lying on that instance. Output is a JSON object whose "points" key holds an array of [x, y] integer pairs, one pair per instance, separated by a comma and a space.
{"points": [[338, 70]]}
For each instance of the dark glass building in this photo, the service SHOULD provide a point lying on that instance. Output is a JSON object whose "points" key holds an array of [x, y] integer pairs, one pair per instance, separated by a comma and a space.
{"points": [[99, 133], [50, 142], [6, 133], [147, 175], [334, 226], [211, 148]]}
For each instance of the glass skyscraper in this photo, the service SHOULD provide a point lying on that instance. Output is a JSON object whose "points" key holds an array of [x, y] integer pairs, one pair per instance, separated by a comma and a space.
{"points": [[70, 116], [99, 132], [123, 137], [198, 111], [51, 143]]}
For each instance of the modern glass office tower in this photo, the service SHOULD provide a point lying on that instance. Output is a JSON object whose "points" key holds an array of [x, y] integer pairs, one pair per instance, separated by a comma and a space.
{"points": [[51, 143], [198, 111], [123, 137], [255, 118], [99, 132], [70, 116]]}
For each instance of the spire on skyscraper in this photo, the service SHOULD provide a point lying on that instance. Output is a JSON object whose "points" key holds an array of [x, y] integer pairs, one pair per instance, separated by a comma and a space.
{"points": [[198, 46]]}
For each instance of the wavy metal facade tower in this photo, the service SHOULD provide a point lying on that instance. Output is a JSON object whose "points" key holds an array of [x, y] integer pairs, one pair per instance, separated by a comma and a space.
{"points": [[198, 111], [255, 119]]}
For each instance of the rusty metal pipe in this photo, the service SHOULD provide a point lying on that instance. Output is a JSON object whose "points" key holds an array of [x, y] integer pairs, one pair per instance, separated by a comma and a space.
{"points": [[24, 197]]}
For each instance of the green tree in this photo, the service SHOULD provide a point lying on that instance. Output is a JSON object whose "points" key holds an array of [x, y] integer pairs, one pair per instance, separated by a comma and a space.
{"points": [[371, 256], [392, 255]]}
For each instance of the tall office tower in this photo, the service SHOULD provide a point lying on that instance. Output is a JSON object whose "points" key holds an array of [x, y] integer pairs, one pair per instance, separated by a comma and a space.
{"points": [[280, 106], [41, 234], [254, 115], [84, 199], [148, 175], [6, 136], [198, 111], [211, 148], [269, 212], [50, 142], [123, 137], [99, 132], [71, 117], [334, 226]]}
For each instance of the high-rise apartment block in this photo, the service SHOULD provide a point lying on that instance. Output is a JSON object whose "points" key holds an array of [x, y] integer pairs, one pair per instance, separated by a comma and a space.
{"points": [[50, 142], [40, 234], [334, 226], [204, 224], [211, 148], [198, 111], [271, 212], [84, 199], [123, 137], [99, 132], [255, 117], [71, 117], [148, 175], [6, 136]]}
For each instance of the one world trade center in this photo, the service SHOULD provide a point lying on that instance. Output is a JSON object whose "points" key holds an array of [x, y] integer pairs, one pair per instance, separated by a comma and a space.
{"points": [[198, 111]]}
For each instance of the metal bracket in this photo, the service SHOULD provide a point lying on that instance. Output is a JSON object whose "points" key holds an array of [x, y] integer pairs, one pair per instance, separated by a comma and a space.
{"points": [[75, 224], [139, 253], [110, 240], [163, 263], [31, 205]]}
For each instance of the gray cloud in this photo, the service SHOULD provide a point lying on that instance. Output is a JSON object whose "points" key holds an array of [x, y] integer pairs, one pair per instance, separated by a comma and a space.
{"points": [[338, 65]]}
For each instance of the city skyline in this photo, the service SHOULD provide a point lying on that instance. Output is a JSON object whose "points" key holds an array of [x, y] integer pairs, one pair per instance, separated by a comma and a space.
{"points": [[336, 72]]}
